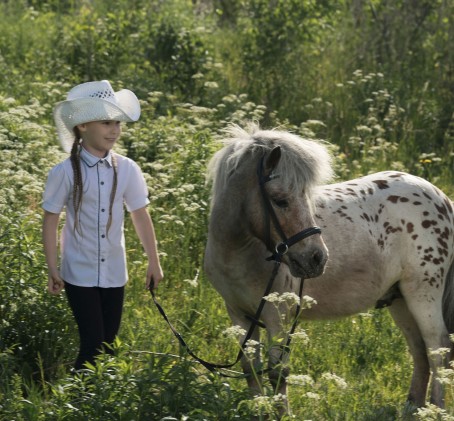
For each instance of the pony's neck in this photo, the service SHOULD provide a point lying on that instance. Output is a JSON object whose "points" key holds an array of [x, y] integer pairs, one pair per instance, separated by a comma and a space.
{"points": [[227, 225]]}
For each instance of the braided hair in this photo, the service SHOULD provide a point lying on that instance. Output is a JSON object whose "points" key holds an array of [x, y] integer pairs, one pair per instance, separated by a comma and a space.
{"points": [[78, 182], [113, 191]]}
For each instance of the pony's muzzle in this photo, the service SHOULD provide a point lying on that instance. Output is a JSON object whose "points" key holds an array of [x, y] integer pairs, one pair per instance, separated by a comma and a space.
{"points": [[309, 264]]}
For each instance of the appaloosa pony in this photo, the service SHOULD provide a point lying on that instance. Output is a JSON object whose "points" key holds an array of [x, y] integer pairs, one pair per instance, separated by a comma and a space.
{"points": [[389, 237]]}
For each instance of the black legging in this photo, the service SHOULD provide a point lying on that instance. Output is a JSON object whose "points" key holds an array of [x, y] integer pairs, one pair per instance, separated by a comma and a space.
{"points": [[98, 314]]}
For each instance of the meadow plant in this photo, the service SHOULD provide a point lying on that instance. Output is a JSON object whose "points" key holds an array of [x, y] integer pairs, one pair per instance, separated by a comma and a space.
{"points": [[433, 413]]}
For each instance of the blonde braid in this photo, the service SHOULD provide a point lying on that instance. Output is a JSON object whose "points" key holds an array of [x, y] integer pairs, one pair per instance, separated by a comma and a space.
{"points": [[78, 182], [114, 190]]}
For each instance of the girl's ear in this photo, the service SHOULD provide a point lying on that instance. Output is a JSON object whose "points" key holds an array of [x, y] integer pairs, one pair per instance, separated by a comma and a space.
{"points": [[82, 127]]}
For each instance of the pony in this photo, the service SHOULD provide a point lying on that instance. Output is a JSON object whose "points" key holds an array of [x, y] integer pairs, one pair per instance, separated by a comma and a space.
{"points": [[385, 238]]}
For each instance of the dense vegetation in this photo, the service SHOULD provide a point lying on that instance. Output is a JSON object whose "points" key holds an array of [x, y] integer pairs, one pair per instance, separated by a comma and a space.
{"points": [[375, 79]]}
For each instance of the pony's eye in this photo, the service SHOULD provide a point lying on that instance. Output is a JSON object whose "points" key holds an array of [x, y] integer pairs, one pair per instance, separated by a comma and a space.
{"points": [[281, 203]]}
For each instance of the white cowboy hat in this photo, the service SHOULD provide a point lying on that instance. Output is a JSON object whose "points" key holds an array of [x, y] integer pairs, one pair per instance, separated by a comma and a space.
{"points": [[93, 101]]}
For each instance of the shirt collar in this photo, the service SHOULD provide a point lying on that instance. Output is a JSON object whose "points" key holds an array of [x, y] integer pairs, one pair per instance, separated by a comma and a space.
{"points": [[92, 160]]}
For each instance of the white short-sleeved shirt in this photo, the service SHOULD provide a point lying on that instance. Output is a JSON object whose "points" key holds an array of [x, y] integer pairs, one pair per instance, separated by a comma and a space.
{"points": [[91, 256]]}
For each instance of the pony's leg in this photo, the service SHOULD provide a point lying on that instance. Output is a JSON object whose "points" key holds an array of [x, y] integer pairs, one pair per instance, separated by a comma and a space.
{"points": [[252, 366], [421, 369], [278, 357], [251, 361], [279, 371], [429, 318]]}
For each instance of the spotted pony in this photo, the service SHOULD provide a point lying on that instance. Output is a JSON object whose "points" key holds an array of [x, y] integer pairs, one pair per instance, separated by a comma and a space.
{"points": [[387, 240]]}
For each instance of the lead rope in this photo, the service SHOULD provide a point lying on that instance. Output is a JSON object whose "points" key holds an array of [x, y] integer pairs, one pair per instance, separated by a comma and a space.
{"points": [[213, 367], [280, 250]]}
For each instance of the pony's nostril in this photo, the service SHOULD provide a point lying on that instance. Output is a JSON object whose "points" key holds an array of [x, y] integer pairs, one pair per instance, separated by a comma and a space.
{"points": [[318, 257]]}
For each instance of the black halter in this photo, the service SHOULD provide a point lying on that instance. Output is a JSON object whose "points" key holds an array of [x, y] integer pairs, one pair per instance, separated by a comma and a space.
{"points": [[281, 248]]}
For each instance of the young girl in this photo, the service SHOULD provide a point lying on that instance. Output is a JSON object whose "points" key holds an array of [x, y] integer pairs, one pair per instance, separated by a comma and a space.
{"points": [[93, 184]]}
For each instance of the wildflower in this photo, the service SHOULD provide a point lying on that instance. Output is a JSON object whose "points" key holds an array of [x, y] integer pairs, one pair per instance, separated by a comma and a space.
{"points": [[193, 282], [262, 404], [338, 381], [432, 412], [286, 297], [272, 298], [314, 123], [251, 348], [300, 380], [312, 395], [302, 336], [308, 302], [290, 297], [279, 398], [234, 332], [211, 85], [364, 130], [445, 376], [439, 352]]}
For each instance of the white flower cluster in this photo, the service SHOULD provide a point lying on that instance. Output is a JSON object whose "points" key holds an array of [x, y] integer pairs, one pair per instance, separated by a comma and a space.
{"points": [[234, 332], [308, 302], [433, 413], [338, 381], [300, 380], [286, 297], [251, 348], [265, 404], [442, 352], [290, 298], [301, 336], [195, 281]]}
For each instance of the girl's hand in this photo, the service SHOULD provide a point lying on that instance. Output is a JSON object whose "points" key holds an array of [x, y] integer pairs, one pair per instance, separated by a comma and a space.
{"points": [[154, 276], [55, 284]]}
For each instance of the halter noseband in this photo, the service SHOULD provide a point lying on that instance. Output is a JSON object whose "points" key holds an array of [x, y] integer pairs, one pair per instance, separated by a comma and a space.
{"points": [[281, 248]]}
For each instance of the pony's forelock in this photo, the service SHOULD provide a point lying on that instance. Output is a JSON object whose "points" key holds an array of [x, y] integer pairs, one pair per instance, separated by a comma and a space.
{"points": [[303, 164]]}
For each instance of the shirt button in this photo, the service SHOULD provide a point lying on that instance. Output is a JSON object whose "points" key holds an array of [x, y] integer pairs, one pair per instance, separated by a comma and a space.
{"points": [[103, 236], [103, 260], [102, 183], [103, 210]]}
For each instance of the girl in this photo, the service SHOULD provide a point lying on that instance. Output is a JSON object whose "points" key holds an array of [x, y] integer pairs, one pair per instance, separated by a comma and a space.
{"points": [[94, 184]]}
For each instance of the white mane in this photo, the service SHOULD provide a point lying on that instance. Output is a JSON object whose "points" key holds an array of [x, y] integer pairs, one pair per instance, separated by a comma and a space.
{"points": [[304, 163]]}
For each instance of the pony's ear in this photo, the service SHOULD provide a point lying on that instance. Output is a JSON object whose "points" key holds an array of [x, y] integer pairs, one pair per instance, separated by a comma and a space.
{"points": [[273, 159]]}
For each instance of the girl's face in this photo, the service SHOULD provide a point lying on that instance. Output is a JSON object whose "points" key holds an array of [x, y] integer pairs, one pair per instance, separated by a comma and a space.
{"points": [[99, 137]]}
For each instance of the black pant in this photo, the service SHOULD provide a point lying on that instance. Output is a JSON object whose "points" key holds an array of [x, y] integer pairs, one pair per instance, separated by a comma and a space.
{"points": [[98, 314]]}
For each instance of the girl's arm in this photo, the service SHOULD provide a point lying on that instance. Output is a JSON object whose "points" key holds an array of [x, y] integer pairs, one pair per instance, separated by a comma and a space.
{"points": [[50, 229], [145, 230]]}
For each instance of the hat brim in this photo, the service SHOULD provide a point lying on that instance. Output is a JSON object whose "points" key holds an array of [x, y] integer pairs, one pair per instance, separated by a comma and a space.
{"points": [[70, 113]]}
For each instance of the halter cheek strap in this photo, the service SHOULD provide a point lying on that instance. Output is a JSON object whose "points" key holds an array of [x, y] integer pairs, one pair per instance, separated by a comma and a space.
{"points": [[281, 248]]}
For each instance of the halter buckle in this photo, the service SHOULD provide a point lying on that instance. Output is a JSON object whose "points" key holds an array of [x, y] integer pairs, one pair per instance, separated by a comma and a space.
{"points": [[281, 248]]}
